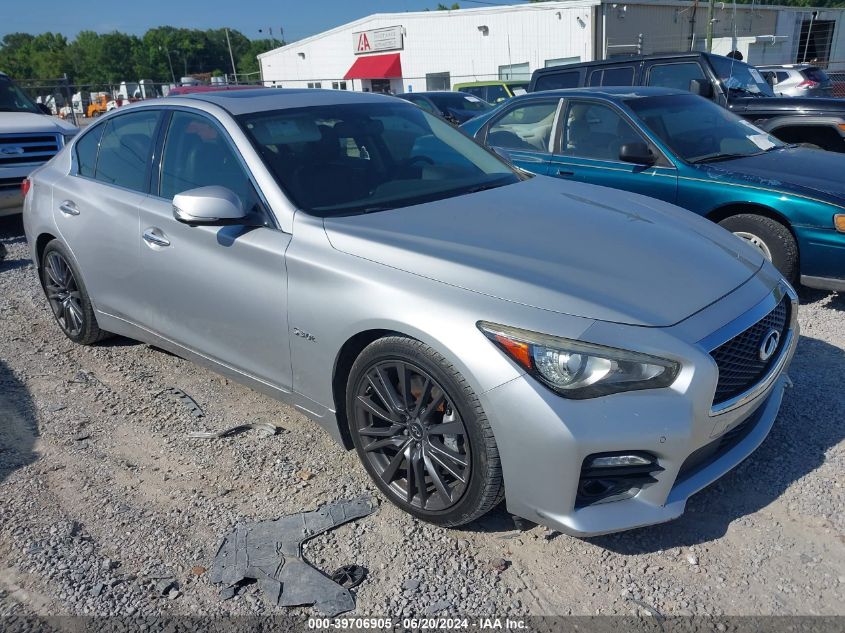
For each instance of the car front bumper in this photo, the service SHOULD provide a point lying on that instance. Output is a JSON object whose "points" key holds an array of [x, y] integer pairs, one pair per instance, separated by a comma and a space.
{"points": [[544, 439]]}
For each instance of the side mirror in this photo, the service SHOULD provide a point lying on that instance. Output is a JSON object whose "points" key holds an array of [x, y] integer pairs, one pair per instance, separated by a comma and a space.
{"points": [[208, 205], [637, 153], [701, 88], [44, 108]]}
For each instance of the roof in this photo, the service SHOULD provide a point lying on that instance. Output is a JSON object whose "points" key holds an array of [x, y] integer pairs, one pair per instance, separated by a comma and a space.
{"points": [[610, 92], [245, 101]]}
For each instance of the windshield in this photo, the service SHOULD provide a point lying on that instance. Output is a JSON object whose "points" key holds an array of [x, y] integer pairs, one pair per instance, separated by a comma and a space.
{"points": [[12, 98], [698, 130], [359, 158], [459, 101], [741, 79]]}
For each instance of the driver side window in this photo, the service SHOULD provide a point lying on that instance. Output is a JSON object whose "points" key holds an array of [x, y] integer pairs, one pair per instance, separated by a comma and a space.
{"points": [[593, 130], [197, 154]]}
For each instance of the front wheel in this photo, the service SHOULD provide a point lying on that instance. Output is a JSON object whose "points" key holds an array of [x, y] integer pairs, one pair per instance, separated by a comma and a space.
{"points": [[421, 433], [770, 237]]}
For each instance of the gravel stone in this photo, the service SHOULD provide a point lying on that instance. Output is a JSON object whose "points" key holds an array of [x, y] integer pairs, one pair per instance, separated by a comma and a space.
{"points": [[96, 530]]}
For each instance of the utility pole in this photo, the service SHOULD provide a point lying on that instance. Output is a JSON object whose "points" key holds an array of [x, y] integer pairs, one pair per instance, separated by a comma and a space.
{"points": [[170, 63], [710, 6], [231, 57], [809, 32]]}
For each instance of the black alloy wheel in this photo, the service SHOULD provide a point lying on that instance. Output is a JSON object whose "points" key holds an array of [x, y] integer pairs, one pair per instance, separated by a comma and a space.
{"points": [[67, 295], [63, 294], [412, 435]]}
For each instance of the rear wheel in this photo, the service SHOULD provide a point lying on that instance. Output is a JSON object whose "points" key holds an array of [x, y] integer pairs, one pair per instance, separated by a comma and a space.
{"points": [[771, 237], [421, 433], [67, 296]]}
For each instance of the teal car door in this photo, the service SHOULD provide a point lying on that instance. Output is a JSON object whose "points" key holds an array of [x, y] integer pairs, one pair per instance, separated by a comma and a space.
{"points": [[523, 133], [592, 135]]}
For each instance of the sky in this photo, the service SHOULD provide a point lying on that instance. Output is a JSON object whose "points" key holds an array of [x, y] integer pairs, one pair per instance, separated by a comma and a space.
{"points": [[298, 18]]}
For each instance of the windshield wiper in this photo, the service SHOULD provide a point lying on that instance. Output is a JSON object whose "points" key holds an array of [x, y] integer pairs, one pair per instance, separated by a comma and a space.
{"points": [[489, 185], [719, 157]]}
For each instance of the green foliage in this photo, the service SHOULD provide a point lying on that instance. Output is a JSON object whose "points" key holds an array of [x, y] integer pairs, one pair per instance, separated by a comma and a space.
{"points": [[99, 59]]}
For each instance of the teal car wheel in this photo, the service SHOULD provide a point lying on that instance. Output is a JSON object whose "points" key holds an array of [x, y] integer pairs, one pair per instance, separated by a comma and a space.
{"points": [[770, 237]]}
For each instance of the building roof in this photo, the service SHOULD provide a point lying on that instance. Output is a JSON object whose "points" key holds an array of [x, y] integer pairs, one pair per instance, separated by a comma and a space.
{"points": [[444, 15], [538, 6]]}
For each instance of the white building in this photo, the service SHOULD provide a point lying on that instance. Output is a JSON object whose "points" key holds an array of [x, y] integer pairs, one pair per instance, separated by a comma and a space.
{"points": [[433, 50]]}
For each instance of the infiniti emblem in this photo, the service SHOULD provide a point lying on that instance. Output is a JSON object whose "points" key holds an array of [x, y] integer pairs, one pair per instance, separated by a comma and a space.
{"points": [[769, 344], [11, 151]]}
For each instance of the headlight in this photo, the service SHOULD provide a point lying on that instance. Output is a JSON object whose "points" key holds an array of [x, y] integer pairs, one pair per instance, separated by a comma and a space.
{"points": [[579, 370]]}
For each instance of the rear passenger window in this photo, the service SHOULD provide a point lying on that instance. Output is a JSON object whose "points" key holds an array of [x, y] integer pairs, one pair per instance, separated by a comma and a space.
{"points": [[86, 151], [558, 81], [526, 128], [675, 76], [621, 76], [125, 150]]}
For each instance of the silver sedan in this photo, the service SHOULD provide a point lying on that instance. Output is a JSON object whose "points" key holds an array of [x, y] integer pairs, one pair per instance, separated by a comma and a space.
{"points": [[592, 356]]}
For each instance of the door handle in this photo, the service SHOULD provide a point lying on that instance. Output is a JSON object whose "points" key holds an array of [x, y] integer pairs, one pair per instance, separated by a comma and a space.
{"points": [[565, 173], [154, 237], [68, 207]]}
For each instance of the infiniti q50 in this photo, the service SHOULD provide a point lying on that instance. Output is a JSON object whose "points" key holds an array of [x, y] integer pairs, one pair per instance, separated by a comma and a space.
{"points": [[592, 356]]}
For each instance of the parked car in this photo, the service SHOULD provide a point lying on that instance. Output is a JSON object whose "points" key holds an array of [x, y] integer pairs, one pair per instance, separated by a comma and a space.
{"points": [[728, 82], [797, 80], [474, 332], [493, 91], [788, 201], [29, 137], [455, 107]]}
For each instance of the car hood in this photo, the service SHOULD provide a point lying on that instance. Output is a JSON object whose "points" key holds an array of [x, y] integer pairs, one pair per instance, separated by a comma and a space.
{"points": [[795, 105], [572, 248], [800, 170], [26, 122]]}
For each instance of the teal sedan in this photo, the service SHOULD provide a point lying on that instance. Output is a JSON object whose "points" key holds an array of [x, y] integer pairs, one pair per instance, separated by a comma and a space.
{"points": [[788, 201]]}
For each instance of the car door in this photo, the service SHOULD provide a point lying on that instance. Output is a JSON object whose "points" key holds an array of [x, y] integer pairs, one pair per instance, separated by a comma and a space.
{"points": [[588, 146], [96, 206], [219, 291], [523, 133]]}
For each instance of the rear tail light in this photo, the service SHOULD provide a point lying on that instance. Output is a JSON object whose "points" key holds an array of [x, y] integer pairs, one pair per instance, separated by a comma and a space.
{"points": [[26, 185], [807, 83]]}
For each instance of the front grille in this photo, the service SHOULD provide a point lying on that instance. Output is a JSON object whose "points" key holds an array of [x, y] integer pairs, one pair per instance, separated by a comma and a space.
{"points": [[709, 453], [28, 149], [740, 366], [10, 184]]}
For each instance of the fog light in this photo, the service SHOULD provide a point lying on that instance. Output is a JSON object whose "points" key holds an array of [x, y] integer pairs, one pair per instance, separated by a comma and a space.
{"points": [[607, 477], [839, 222], [609, 461]]}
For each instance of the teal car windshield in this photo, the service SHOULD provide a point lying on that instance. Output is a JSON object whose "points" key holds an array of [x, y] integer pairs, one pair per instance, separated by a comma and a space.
{"points": [[698, 130]]}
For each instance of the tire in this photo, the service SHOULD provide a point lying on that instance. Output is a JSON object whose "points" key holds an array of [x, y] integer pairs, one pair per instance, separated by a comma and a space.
{"points": [[403, 444], [772, 237], [67, 296]]}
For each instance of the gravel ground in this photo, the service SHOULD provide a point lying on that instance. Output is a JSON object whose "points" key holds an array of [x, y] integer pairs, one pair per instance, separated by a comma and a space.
{"points": [[108, 507]]}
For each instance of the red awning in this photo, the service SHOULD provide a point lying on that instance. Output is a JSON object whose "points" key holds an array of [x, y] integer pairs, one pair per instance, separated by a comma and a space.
{"points": [[375, 67]]}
